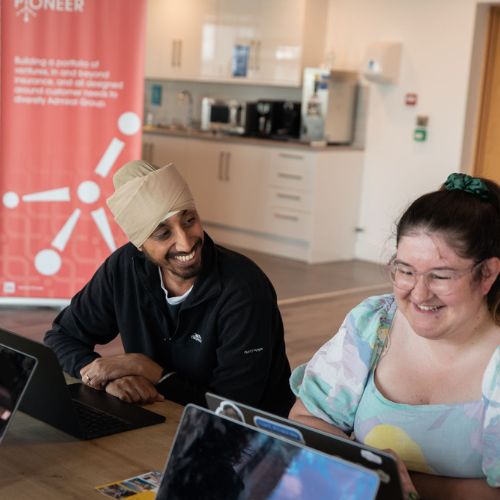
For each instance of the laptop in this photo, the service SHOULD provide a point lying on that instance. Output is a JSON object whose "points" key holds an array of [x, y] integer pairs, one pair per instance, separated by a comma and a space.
{"points": [[215, 457], [16, 370], [76, 409], [382, 463]]}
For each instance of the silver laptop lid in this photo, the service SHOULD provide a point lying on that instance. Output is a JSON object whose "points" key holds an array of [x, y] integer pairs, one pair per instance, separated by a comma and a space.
{"points": [[382, 463], [215, 457]]}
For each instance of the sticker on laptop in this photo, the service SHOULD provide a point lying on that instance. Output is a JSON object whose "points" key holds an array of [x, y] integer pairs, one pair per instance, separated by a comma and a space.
{"points": [[230, 410], [279, 428]]}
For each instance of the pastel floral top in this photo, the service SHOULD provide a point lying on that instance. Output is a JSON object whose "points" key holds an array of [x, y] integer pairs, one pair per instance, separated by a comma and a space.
{"points": [[337, 385]]}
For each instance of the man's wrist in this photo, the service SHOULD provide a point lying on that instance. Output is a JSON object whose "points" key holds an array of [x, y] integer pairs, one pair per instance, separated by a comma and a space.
{"points": [[145, 367]]}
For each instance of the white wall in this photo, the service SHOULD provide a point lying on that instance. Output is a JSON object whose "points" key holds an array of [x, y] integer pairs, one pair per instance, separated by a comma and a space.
{"points": [[438, 40]]}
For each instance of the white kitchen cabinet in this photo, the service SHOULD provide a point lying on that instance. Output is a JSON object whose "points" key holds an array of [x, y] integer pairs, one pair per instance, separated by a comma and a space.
{"points": [[310, 207], [160, 149], [294, 202], [195, 40], [207, 182], [313, 199], [290, 197], [234, 23], [226, 182], [282, 37], [175, 32], [276, 54], [225, 178]]}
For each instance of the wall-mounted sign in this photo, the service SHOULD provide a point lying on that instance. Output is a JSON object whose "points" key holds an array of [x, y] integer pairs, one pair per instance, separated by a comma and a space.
{"points": [[411, 99]]}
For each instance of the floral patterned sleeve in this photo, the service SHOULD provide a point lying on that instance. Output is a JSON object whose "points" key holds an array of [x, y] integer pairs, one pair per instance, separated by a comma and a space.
{"points": [[332, 383], [491, 425]]}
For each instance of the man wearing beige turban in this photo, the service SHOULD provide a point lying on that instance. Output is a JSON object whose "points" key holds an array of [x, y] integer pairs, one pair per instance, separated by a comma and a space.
{"points": [[193, 316]]}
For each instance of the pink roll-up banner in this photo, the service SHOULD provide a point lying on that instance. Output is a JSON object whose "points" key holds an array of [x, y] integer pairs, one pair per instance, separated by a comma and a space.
{"points": [[71, 108]]}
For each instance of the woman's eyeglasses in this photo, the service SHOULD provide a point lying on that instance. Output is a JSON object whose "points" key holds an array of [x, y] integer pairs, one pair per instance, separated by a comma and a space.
{"points": [[439, 281]]}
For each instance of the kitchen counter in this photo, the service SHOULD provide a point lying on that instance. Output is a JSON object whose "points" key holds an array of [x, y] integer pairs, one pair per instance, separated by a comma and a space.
{"points": [[287, 198], [195, 133]]}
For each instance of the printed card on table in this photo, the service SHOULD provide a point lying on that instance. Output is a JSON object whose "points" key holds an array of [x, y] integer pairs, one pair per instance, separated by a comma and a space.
{"points": [[142, 487]]}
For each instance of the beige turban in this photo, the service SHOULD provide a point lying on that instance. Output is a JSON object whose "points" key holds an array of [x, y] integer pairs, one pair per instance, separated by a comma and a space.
{"points": [[146, 195]]}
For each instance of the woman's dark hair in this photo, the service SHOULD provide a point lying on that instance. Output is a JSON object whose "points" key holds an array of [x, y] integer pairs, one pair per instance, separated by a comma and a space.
{"points": [[468, 223]]}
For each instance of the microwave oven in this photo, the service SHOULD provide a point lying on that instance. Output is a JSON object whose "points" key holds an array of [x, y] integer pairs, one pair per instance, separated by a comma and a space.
{"points": [[219, 115]]}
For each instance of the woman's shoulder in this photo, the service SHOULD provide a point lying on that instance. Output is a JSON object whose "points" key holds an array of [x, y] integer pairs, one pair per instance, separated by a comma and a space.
{"points": [[377, 303], [357, 337], [332, 383], [371, 314], [491, 378], [491, 419]]}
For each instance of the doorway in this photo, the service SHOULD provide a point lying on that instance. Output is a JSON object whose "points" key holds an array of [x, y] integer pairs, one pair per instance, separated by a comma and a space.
{"points": [[487, 158]]}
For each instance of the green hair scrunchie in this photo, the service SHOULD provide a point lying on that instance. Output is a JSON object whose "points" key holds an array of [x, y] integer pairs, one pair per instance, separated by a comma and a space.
{"points": [[466, 183]]}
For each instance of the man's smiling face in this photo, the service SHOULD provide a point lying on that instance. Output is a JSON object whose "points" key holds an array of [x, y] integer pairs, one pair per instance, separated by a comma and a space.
{"points": [[175, 245]]}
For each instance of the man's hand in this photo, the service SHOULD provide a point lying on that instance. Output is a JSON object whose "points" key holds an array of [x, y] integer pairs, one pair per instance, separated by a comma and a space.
{"points": [[103, 370], [134, 389]]}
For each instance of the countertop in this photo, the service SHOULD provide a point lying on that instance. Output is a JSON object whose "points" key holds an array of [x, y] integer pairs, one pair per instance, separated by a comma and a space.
{"points": [[194, 133]]}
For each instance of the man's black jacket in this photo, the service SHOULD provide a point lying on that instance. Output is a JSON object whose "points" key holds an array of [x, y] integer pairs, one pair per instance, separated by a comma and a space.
{"points": [[228, 338]]}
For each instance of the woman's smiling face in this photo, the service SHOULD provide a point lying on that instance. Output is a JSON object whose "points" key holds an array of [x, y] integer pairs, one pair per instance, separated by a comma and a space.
{"points": [[432, 314]]}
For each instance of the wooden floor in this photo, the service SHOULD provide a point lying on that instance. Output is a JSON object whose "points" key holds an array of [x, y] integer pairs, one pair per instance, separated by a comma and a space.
{"points": [[294, 280], [313, 301]]}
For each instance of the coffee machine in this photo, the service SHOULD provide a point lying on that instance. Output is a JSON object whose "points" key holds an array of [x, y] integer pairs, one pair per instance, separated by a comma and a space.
{"points": [[273, 119], [328, 105]]}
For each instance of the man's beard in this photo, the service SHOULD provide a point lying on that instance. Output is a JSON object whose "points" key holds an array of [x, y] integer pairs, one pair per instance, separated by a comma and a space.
{"points": [[168, 262]]}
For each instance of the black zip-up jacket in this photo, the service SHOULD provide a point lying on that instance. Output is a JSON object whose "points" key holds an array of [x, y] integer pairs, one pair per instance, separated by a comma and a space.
{"points": [[228, 338]]}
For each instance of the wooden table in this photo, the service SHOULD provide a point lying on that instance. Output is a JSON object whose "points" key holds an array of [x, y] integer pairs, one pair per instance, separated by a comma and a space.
{"points": [[38, 461]]}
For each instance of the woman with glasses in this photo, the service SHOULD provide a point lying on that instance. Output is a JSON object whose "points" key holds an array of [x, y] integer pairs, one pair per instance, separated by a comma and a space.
{"points": [[417, 371]]}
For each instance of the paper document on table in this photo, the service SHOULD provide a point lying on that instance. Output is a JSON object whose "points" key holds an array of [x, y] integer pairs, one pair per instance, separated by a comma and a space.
{"points": [[142, 487]]}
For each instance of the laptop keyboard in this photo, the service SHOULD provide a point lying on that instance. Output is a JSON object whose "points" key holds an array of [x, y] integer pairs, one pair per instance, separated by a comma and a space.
{"points": [[96, 423]]}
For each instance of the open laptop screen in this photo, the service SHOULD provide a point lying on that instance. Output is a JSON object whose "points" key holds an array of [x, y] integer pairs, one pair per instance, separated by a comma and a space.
{"points": [[76, 409], [214, 457], [16, 369]]}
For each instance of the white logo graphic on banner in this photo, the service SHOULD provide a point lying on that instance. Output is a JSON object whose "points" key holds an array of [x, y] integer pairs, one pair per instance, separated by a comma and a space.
{"points": [[48, 261], [28, 8]]}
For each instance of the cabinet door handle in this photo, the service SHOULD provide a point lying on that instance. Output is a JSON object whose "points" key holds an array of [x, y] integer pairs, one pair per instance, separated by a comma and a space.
{"points": [[228, 167], [220, 170], [251, 55], [287, 196], [176, 59], [179, 53], [147, 151], [290, 156], [172, 59], [286, 216], [257, 55], [285, 175]]}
